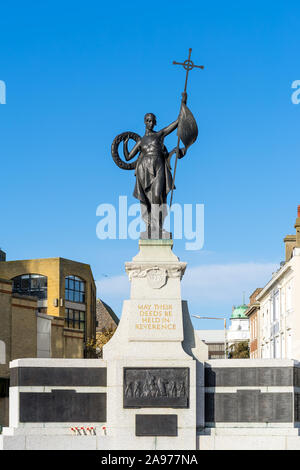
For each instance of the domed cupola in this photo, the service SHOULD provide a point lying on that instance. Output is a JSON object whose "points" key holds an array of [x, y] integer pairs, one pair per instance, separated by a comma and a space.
{"points": [[239, 312]]}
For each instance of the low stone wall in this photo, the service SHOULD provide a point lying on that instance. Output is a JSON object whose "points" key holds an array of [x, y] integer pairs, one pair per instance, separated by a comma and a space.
{"points": [[251, 404], [252, 392], [74, 404], [57, 391]]}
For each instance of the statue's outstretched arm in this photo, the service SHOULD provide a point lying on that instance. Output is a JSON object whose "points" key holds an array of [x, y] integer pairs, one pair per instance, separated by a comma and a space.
{"points": [[167, 130], [130, 155]]}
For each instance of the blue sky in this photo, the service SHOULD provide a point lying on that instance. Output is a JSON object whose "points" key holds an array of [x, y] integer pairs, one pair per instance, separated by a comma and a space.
{"points": [[79, 73]]}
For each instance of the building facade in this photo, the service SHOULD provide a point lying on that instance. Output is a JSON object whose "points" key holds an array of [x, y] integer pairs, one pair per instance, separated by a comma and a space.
{"points": [[64, 289], [47, 309], [279, 323], [253, 314], [239, 329], [277, 314], [215, 340], [18, 336], [27, 333]]}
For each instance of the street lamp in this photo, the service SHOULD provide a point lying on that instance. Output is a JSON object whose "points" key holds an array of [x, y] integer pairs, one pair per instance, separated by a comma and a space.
{"points": [[216, 318]]}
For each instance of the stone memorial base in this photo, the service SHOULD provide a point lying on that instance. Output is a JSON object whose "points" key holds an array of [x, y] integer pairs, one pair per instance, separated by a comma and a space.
{"points": [[154, 388], [151, 376]]}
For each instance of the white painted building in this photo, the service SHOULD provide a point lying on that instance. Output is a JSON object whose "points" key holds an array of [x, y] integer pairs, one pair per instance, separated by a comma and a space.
{"points": [[280, 312], [280, 306], [239, 328]]}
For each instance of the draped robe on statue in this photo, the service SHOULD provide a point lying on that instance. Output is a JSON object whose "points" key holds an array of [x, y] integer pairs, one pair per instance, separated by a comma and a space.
{"points": [[153, 177]]}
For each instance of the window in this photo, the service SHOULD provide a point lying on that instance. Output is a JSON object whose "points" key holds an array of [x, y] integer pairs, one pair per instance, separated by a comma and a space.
{"points": [[282, 310], [75, 289], [282, 346], [276, 306], [216, 346], [31, 284], [289, 346], [289, 297], [272, 349], [253, 329], [277, 354], [75, 319], [4, 387], [2, 353], [216, 351]]}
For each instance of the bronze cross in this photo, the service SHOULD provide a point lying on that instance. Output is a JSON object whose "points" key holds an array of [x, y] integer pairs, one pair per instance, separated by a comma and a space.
{"points": [[188, 65]]}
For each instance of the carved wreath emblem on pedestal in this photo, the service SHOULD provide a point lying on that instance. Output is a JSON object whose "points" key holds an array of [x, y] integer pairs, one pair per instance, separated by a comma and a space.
{"points": [[156, 277]]}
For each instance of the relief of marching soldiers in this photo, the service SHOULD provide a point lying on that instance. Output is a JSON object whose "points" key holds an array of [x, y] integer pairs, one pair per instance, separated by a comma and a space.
{"points": [[155, 387]]}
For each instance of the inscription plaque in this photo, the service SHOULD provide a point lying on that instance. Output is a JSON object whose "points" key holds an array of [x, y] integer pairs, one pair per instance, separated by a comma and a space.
{"points": [[248, 376], [156, 387], [249, 406], [156, 425], [297, 407], [58, 376], [296, 377], [62, 406]]}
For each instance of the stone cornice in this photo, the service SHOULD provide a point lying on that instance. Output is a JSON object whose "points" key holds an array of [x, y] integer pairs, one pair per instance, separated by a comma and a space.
{"points": [[283, 270], [142, 270]]}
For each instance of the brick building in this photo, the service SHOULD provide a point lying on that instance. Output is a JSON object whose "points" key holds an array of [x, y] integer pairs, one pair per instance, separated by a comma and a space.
{"points": [[63, 288], [253, 315], [18, 336]]}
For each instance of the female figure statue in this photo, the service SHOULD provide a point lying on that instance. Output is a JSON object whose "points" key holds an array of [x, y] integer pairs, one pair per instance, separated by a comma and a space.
{"points": [[153, 175], [152, 167]]}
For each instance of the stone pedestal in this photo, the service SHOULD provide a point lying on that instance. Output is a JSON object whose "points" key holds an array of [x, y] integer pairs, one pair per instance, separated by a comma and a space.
{"points": [[151, 358], [155, 322]]}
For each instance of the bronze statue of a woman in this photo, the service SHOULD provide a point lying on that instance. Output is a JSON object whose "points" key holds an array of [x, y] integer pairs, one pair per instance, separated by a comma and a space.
{"points": [[152, 168], [153, 176]]}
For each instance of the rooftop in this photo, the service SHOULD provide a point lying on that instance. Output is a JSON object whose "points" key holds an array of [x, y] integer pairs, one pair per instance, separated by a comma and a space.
{"points": [[211, 336]]}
